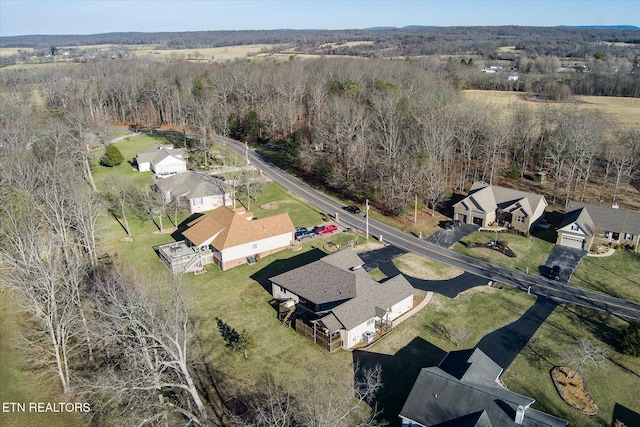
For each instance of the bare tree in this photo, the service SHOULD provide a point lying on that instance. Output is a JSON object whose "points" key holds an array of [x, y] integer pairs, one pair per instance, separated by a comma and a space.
{"points": [[147, 335], [46, 282], [584, 353]]}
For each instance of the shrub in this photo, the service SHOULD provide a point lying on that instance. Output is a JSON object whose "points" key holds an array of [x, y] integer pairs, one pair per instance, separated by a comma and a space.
{"points": [[630, 340], [112, 156]]}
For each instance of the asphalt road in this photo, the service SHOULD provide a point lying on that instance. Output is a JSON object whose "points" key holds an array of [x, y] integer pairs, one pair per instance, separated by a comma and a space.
{"points": [[558, 292]]}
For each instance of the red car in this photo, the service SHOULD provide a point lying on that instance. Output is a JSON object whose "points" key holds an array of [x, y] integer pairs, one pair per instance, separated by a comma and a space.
{"points": [[325, 229]]}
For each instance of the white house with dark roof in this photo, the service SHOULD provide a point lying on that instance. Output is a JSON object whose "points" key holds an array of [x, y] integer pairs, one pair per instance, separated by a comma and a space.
{"points": [[583, 222], [162, 158], [201, 192], [487, 204], [227, 238], [338, 296], [464, 390]]}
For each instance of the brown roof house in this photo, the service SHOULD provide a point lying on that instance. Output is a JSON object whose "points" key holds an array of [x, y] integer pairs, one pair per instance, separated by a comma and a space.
{"points": [[200, 192], [227, 238], [162, 159], [464, 390], [487, 204], [337, 303], [584, 222]]}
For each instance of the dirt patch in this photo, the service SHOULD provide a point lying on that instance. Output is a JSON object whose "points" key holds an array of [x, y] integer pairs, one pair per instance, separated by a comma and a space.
{"points": [[165, 231], [127, 239], [272, 206], [571, 388]]}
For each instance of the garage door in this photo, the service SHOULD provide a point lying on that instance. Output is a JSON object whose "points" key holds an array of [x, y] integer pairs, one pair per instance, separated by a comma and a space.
{"points": [[572, 242]]}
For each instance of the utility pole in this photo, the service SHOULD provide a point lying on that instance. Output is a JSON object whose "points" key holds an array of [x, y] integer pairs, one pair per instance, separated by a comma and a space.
{"points": [[415, 212], [366, 216]]}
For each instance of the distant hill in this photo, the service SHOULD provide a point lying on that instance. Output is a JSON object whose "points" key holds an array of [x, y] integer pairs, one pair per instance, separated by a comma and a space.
{"points": [[603, 27]]}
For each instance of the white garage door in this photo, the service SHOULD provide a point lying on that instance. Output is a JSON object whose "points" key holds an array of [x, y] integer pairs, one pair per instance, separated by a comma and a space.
{"points": [[572, 242]]}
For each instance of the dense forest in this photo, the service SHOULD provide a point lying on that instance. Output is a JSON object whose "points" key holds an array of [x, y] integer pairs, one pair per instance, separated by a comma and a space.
{"points": [[375, 128]]}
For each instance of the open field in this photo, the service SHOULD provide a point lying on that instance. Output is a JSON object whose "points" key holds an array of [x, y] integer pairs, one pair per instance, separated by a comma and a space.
{"points": [[8, 51], [622, 111]]}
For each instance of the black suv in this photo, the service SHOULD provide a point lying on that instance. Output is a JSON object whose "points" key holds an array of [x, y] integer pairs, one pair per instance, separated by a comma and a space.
{"points": [[352, 209], [554, 274], [450, 225]]}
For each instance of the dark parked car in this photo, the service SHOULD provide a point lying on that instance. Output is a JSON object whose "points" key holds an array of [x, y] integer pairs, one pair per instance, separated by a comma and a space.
{"points": [[554, 274], [352, 209], [450, 225]]}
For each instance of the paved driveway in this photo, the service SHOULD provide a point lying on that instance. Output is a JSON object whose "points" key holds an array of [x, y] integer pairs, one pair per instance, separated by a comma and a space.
{"points": [[447, 238], [564, 257]]}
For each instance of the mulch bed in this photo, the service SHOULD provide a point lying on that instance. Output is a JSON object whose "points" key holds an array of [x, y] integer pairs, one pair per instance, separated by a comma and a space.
{"points": [[498, 246], [571, 388]]}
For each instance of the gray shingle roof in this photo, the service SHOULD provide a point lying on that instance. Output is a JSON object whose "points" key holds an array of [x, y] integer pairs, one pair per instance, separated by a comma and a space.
{"points": [[438, 397], [486, 198], [337, 277], [192, 185], [609, 219], [158, 152], [318, 282]]}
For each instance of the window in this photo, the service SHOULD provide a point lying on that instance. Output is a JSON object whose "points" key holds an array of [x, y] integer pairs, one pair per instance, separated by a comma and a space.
{"points": [[520, 219], [197, 201], [255, 246], [371, 321], [628, 236], [574, 227]]}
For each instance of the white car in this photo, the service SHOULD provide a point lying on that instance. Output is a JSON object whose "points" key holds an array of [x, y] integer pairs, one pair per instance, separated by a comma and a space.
{"points": [[165, 174]]}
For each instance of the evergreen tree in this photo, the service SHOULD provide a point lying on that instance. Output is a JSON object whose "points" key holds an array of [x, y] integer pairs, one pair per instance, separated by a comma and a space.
{"points": [[112, 156]]}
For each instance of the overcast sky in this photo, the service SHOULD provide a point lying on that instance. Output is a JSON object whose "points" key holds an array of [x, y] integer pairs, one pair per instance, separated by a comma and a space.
{"points": [[22, 17]]}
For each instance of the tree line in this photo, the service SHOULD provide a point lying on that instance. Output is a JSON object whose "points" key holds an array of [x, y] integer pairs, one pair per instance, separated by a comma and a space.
{"points": [[369, 129]]}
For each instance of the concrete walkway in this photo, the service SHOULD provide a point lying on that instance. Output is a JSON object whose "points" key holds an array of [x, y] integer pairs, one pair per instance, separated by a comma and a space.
{"points": [[414, 310]]}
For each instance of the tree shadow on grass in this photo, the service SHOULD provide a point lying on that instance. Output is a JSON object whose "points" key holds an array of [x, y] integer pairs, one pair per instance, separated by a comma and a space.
{"points": [[399, 372]]}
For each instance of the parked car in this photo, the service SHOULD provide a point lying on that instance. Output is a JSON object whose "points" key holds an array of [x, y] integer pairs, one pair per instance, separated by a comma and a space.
{"points": [[450, 225], [301, 229], [325, 229], [554, 274], [165, 174], [303, 234], [352, 209]]}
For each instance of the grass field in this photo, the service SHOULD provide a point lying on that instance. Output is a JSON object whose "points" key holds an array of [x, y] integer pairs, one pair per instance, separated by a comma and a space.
{"points": [[617, 275], [19, 383], [530, 252], [241, 297], [622, 111]]}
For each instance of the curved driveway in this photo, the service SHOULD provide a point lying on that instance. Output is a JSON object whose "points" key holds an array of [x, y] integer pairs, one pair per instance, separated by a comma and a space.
{"points": [[558, 292]]}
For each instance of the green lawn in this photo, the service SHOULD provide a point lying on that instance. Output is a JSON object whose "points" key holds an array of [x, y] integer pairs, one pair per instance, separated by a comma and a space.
{"points": [[617, 275], [18, 383], [530, 252], [616, 381], [241, 297]]}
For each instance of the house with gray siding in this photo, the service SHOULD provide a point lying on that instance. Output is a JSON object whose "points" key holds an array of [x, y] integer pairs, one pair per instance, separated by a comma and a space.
{"points": [[583, 223]]}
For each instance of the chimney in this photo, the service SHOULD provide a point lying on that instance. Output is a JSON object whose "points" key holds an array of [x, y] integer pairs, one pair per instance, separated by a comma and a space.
{"points": [[520, 415]]}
